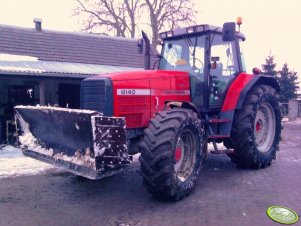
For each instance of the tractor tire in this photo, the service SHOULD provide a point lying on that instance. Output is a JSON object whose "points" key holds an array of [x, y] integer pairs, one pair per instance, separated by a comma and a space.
{"points": [[172, 153], [256, 131]]}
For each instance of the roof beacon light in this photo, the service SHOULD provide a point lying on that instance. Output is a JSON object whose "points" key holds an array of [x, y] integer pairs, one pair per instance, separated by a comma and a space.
{"points": [[169, 34], [163, 35], [190, 30], [199, 28], [239, 22]]}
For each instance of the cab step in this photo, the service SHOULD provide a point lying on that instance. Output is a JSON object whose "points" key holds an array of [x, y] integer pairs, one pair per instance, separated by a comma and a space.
{"points": [[224, 151], [217, 120], [218, 136]]}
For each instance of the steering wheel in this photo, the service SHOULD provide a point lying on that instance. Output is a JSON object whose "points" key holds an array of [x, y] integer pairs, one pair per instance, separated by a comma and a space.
{"points": [[195, 68]]}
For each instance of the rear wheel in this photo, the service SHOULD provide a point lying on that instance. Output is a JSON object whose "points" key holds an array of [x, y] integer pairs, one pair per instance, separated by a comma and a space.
{"points": [[172, 153], [256, 130]]}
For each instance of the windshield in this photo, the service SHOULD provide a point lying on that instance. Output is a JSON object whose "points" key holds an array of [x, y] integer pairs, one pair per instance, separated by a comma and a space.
{"points": [[184, 55]]}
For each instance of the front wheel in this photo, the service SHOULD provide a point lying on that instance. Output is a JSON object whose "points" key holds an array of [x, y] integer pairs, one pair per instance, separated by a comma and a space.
{"points": [[172, 153]]}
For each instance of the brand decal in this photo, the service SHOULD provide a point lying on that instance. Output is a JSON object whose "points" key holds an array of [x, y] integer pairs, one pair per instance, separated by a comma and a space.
{"points": [[170, 92], [133, 91], [282, 215], [142, 92]]}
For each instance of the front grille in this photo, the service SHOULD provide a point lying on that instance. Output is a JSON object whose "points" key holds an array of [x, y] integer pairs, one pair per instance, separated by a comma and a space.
{"points": [[97, 95]]}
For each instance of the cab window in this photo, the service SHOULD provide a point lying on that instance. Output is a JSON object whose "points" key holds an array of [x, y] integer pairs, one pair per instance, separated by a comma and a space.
{"points": [[224, 67]]}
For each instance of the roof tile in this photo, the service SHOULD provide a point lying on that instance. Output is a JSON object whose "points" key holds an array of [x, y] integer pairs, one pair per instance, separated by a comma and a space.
{"points": [[70, 47]]}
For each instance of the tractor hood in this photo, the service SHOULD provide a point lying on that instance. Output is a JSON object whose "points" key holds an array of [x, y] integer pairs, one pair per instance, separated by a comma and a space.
{"points": [[143, 74], [134, 95]]}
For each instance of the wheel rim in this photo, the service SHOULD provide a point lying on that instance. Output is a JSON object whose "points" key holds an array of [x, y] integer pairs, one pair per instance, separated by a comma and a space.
{"points": [[185, 155], [264, 127]]}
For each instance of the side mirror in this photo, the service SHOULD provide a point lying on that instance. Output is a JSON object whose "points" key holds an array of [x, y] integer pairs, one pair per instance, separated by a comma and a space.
{"points": [[140, 46], [229, 32]]}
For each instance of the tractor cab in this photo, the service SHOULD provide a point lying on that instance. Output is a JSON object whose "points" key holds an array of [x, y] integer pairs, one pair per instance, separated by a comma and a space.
{"points": [[212, 57]]}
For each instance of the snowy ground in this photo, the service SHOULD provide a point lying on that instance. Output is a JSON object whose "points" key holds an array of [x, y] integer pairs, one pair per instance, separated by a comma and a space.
{"points": [[33, 193], [14, 163], [296, 122]]}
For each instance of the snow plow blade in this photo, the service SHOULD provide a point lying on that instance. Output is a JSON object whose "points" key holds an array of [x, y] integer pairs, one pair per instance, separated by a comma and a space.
{"points": [[81, 141]]}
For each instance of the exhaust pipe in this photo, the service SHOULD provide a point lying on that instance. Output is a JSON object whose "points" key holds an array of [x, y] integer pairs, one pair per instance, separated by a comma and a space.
{"points": [[147, 51]]}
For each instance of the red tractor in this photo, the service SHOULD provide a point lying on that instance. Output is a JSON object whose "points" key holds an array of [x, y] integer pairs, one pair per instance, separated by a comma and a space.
{"points": [[200, 94]]}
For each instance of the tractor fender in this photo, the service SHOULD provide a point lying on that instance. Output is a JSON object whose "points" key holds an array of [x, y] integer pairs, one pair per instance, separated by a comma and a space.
{"points": [[237, 93], [182, 104], [258, 79], [240, 87]]}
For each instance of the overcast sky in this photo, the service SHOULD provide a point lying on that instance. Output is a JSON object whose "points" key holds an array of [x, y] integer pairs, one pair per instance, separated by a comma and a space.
{"points": [[269, 25]]}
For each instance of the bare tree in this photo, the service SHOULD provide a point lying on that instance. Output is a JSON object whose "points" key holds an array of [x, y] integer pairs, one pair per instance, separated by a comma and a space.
{"points": [[125, 17], [169, 14], [112, 17]]}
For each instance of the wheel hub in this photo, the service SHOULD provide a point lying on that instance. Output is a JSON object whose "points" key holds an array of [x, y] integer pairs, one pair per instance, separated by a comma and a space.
{"points": [[258, 126], [264, 127], [185, 155], [178, 154]]}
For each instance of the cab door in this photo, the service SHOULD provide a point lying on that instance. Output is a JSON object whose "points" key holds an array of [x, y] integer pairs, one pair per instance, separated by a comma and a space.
{"points": [[224, 67]]}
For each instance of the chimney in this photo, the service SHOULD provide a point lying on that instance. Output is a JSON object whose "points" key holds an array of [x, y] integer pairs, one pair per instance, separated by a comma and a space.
{"points": [[38, 24]]}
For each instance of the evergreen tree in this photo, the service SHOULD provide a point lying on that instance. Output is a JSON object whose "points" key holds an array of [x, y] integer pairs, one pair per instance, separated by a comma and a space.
{"points": [[269, 67], [288, 84]]}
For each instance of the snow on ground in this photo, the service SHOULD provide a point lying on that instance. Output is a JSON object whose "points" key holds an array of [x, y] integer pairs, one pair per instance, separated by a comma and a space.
{"points": [[296, 122], [13, 163]]}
